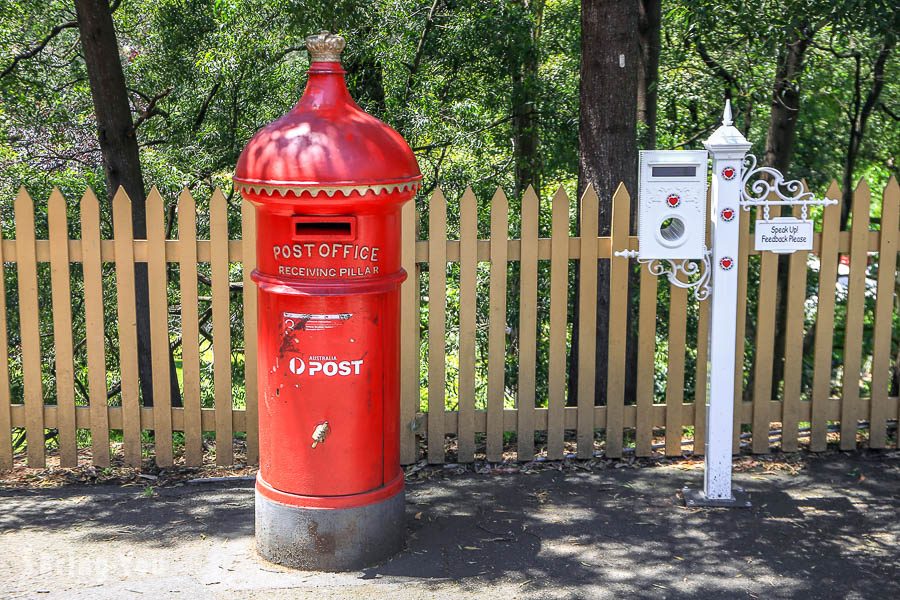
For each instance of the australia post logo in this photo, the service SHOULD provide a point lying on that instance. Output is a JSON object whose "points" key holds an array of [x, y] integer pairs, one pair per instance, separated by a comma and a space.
{"points": [[324, 366]]}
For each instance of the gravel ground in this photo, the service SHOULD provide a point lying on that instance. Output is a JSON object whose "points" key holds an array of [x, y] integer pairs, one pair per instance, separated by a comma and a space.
{"points": [[823, 527]]}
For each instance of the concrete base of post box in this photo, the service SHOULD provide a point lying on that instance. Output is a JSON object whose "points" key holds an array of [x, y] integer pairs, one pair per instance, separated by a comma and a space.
{"points": [[329, 539]]}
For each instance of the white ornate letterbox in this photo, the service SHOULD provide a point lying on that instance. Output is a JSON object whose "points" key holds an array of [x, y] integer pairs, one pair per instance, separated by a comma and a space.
{"points": [[672, 204]]}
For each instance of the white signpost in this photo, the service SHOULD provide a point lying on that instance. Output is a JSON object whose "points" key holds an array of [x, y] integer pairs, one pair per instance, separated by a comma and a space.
{"points": [[737, 183]]}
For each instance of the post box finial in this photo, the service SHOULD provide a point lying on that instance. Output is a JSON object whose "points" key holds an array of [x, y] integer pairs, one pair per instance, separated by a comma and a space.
{"points": [[325, 47], [727, 119]]}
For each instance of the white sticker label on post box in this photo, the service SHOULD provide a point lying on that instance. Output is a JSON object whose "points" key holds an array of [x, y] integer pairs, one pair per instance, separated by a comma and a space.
{"points": [[784, 235]]}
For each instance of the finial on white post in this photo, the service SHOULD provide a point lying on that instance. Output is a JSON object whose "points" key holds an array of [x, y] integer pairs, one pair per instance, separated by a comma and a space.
{"points": [[727, 142], [726, 116]]}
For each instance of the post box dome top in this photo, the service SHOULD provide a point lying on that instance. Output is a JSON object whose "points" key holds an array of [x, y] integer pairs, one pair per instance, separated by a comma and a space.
{"points": [[326, 144]]}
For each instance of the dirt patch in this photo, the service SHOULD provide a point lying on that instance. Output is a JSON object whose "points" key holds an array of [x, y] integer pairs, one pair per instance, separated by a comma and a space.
{"points": [[149, 474]]}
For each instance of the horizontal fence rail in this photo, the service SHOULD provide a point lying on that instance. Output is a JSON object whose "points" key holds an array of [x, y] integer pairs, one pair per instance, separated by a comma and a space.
{"points": [[487, 332]]}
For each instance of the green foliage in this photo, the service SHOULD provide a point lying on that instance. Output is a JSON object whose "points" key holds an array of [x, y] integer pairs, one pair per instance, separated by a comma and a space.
{"points": [[204, 75]]}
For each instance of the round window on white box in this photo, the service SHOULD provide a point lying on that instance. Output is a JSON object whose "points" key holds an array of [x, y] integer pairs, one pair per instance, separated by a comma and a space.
{"points": [[671, 231]]}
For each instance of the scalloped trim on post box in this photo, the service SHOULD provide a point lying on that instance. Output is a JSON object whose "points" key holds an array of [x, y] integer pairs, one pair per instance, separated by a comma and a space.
{"points": [[329, 190]]}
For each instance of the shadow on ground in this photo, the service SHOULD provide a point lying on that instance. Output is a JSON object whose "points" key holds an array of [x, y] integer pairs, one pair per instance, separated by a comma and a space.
{"points": [[829, 531]]}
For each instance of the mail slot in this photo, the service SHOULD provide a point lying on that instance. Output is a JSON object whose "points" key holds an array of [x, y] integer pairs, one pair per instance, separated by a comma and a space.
{"points": [[324, 228]]}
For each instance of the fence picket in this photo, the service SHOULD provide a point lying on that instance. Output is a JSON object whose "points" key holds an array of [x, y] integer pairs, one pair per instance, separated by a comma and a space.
{"points": [[159, 328], [851, 411], [822, 369], [61, 297], [437, 323], [6, 451], [468, 282], [26, 264], [587, 322], [409, 336], [765, 345], [527, 353], [675, 369], [701, 378], [618, 323], [884, 305], [251, 396], [93, 326], [743, 261], [793, 351], [559, 286], [646, 367], [221, 322], [190, 330], [127, 327], [497, 326]]}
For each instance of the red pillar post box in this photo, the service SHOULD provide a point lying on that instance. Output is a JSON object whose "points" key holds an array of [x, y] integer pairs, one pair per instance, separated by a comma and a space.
{"points": [[328, 181]]}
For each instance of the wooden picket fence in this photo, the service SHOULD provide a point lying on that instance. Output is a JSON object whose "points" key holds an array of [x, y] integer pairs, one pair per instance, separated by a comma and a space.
{"points": [[35, 414], [650, 423]]}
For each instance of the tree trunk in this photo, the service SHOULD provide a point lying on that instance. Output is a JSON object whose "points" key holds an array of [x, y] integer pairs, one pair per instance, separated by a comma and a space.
{"points": [[649, 30], [607, 140], [420, 50], [859, 118], [121, 160], [365, 79], [780, 140], [523, 67], [786, 103], [649, 24]]}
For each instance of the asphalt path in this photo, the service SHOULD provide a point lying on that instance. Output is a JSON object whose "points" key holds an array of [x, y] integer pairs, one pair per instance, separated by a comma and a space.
{"points": [[829, 530]]}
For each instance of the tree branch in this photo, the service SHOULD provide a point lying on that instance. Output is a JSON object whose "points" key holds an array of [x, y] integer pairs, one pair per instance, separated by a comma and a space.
{"points": [[289, 50], [450, 142], [888, 111], [201, 114], [234, 288], [716, 67], [696, 136], [877, 83], [37, 48], [204, 319], [420, 49], [152, 109], [158, 142]]}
